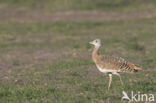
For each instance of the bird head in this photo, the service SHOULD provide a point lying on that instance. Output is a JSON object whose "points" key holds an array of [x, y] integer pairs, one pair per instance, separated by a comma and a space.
{"points": [[96, 42]]}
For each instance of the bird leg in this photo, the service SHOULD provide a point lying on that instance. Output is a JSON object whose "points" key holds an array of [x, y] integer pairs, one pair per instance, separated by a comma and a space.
{"points": [[120, 78], [110, 81]]}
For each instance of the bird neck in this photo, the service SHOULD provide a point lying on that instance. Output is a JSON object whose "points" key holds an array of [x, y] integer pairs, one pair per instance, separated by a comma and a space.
{"points": [[95, 53]]}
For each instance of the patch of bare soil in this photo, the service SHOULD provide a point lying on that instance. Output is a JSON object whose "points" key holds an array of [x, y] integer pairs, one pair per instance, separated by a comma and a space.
{"points": [[20, 15]]}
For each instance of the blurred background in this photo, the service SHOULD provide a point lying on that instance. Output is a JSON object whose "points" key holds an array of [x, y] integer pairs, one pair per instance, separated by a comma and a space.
{"points": [[45, 56]]}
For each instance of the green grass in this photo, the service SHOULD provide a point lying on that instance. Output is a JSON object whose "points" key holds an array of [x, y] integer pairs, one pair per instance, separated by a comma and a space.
{"points": [[52, 61], [44, 62], [80, 5]]}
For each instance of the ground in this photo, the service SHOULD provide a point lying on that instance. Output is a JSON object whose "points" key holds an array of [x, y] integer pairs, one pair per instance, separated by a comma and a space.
{"points": [[45, 54]]}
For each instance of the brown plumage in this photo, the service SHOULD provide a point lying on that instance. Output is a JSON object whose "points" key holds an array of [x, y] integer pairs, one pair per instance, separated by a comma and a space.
{"points": [[111, 64], [116, 63]]}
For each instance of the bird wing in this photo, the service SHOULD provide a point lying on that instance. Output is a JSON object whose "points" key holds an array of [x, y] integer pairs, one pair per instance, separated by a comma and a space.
{"points": [[116, 63]]}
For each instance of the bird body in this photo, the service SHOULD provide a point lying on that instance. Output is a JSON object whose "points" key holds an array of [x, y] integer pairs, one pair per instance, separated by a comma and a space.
{"points": [[115, 64], [111, 64]]}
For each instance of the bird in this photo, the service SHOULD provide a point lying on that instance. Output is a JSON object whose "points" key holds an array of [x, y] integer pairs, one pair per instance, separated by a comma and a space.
{"points": [[111, 65]]}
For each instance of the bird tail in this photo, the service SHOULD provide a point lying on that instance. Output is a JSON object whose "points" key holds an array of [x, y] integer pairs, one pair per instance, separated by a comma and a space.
{"points": [[135, 67]]}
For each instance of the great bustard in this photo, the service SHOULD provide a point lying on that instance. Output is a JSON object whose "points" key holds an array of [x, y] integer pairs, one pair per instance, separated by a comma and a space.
{"points": [[111, 64]]}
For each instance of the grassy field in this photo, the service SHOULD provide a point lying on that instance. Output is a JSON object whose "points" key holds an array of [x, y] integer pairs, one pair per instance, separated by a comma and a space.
{"points": [[76, 5], [43, 60]]}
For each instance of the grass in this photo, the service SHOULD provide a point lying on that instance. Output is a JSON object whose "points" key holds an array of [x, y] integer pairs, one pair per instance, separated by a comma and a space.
{"points": [[61, 69], [80, 5], [44, 62]]}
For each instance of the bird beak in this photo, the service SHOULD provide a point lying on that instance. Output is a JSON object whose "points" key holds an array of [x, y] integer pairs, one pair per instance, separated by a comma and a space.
{"points": [[91, 42]]}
